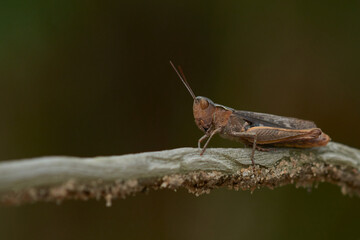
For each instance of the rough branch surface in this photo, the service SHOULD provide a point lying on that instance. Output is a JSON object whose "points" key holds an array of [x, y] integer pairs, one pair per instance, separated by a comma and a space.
{"points": [[60, 178]]}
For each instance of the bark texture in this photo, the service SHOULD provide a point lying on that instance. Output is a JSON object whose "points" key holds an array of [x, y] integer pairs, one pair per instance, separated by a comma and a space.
{"points": [[59, 178]]}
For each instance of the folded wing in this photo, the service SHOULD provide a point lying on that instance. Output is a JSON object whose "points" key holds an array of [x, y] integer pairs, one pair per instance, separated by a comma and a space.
{"points": [[269, 120]]}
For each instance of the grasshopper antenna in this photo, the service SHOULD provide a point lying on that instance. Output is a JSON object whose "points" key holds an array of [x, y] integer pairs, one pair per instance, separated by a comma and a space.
{"points": [[183, 79]]}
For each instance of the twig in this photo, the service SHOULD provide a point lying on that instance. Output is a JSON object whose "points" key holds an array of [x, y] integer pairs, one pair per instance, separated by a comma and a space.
{"points": [[60, 178]]}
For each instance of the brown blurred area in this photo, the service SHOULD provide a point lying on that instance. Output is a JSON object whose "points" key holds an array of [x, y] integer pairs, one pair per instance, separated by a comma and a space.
{"points": [[90, 78]]}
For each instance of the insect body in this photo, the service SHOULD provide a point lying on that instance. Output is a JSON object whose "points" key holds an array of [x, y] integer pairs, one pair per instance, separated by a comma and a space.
{"points": [[258, 130]]}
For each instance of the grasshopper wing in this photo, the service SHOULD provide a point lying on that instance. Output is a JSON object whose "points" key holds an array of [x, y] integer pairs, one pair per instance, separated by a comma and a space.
{"points": [[269, 120]]}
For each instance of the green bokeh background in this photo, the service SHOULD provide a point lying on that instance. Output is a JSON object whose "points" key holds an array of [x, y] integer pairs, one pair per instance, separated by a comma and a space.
{"points": [[90, 78]]}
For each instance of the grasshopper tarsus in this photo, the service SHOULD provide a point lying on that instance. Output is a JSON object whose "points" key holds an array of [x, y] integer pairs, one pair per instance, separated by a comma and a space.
{"points": [[252, 160], [265, 149]]}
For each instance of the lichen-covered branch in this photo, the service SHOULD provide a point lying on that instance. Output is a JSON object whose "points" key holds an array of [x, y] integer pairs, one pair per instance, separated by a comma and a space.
{"points": [[60, 178]]}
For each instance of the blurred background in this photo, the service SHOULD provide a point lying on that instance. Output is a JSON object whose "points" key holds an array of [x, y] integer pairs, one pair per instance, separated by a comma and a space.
{"points": [[89, 78]]}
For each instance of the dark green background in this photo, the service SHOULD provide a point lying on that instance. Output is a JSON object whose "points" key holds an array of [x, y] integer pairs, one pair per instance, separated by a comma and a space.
{"points": [[91, 78]]}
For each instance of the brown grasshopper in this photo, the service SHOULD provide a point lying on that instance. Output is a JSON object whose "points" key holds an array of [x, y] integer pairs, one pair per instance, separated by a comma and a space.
{"points": [[252, 128]]}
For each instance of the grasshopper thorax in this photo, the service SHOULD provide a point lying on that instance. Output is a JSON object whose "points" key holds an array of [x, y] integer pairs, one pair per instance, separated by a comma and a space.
{"points": [[204, 110]]}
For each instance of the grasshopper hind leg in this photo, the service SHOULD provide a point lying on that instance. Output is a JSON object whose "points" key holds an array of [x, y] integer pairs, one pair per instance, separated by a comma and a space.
{"points": [[265, 149]]}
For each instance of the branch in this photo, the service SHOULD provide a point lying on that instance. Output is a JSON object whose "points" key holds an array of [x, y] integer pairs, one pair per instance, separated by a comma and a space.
{"points": [[60, 178]]}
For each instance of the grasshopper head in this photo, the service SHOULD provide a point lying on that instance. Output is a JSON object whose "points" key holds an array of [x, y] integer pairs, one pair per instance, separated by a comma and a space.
{"points": [[204, 110]]}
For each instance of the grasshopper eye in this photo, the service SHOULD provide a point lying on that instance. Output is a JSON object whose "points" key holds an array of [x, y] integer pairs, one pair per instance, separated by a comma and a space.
{"points": [[203, 104]]}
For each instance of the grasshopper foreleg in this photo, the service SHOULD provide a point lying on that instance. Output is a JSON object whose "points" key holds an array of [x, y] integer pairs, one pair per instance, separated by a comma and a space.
{"points": [[202, 139], [207, 142]]}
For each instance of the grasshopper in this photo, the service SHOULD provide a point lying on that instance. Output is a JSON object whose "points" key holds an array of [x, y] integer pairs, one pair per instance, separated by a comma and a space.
{"points": [[259, 130]]}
